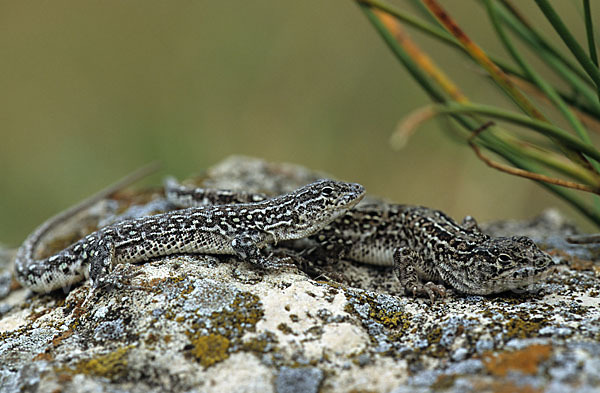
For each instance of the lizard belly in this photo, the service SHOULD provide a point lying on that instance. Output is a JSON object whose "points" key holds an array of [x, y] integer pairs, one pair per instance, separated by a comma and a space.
{"points": [[377, 254], [191, 243]]}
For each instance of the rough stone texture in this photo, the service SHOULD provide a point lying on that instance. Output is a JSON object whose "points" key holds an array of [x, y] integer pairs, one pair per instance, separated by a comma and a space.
{"points": [[207, 324]]}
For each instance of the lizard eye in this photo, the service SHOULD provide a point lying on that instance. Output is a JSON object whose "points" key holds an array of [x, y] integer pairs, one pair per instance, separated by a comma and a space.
{"points": [[327, 191], [504, 258]]}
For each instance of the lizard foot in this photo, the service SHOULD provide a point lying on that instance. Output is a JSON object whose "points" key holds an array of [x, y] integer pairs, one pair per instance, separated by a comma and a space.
{"points": [[430, 289], [275, 263], [406, 262]]}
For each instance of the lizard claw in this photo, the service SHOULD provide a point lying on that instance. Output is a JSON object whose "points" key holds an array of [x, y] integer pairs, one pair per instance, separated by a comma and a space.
{"points": [[433, 290], [430, 289], [273, 262]]}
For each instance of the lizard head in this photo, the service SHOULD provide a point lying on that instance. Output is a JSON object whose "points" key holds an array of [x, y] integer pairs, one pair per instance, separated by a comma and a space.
{"points": [[504, 263], [317, 204]]}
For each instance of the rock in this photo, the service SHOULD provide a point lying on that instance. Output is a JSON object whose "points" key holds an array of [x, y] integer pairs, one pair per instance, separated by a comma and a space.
{"points": [[194, 323], [300, 379]]}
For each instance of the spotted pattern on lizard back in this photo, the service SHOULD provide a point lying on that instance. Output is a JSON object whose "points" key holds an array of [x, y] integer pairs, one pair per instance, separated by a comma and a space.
{"points": [[426, 245], [421, 244], [240, 229]]}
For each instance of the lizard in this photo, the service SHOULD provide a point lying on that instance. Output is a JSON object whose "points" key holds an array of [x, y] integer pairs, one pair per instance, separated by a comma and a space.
{"points": [[242, 229], [427, 249]]}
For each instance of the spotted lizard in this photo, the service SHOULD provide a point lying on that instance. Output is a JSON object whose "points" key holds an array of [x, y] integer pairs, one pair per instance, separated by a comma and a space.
{"points": [[241, 229], [427, 249]]}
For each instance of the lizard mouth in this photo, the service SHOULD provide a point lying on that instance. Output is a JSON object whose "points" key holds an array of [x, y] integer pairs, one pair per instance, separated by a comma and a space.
{"points": [[356, 195], [520, 280]]}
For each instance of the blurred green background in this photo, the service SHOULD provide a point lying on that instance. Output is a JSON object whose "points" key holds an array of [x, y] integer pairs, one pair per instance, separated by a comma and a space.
{"points": [[91, 90]]}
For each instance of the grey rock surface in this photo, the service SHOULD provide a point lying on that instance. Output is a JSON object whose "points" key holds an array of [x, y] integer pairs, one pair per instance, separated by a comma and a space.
{"points": [[194, 323]]}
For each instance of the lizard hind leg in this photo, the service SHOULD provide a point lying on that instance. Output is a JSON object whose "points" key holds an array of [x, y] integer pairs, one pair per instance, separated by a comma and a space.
{"points": [[405, 262]]}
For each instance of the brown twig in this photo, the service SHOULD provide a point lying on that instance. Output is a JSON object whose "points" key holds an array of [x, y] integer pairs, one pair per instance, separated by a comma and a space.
{"points": [[588, 120], [516, 13], [583, 239], [523, 173], [499, 76]]}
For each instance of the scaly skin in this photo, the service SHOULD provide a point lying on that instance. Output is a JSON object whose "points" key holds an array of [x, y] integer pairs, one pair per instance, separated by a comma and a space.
{"points": [[240, 229], [424, 246]]}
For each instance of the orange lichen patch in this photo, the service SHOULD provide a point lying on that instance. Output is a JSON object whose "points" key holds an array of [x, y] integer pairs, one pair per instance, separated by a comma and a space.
{"points": [[444, 381], [43, 356], [582, 264], [57, 244], [36, 315], [128, 198], [56, 340], [574, 262], [525, 360], [14, 284], [557, 253], [64, 378], [504, 387]]}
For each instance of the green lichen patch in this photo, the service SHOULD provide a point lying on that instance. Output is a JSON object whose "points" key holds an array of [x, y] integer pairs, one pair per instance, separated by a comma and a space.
{"points": [[13, 334], [285, 328], [434, 335], [221, 331], [210, 349], [523, 328], [112, 365], [390, 316], [517, 322], [264, 343], [243, 314]]}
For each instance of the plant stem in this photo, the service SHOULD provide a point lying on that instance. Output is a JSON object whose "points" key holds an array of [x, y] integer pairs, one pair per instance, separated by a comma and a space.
{"points": [[576, 49]]}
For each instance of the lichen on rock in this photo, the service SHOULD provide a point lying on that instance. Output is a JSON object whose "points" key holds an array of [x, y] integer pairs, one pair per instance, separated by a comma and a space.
{"points": [[212, 324]]}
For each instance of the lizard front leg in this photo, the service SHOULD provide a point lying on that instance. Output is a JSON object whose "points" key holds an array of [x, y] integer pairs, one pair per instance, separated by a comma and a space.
{"points": [[102, 258], [405, 262], [246, 247], [330, 245]]}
